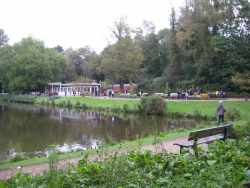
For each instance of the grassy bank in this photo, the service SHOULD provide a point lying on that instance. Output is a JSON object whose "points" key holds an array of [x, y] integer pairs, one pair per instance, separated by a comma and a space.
{"points": [[124, 145], [207, 108]]}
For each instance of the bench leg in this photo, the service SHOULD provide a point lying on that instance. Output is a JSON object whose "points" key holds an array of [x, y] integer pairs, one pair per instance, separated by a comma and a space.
{"points": [[180, 149]]}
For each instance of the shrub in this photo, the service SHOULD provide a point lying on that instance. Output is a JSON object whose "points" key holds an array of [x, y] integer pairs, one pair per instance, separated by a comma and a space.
{"points": [[116, 109], [197, 113], [68, 104], [42, 103], [53, 102], [18, 157], [20, 98], [84, 106], [126, 108], [241, 131], [153, 105], [232, 112], [128, 95], [78, 104]]}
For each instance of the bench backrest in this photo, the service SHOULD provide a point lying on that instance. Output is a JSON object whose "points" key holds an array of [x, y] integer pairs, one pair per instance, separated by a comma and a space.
{"points": [[225, 128]]}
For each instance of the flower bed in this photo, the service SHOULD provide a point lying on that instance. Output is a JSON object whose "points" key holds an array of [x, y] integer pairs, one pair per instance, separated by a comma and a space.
{"points": [[127, 95], [203, 96]]}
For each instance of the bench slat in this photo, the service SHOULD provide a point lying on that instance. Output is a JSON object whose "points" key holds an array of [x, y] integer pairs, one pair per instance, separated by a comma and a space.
{"points": [[208, 132], [200, 141]]}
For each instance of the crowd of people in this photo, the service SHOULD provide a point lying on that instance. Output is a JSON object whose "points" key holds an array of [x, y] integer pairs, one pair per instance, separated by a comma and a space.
{"points": [[184, 94], [111, 93]]}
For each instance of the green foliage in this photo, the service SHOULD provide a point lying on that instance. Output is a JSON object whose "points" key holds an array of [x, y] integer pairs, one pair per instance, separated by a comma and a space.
{"points": [[3, 38], [224, 164], [232, 112], [126, 108], [167, 88], [69, 105], [241, 131], [42, 103], [197, 113], [78, 104], [184, 84], [132, 88], [28, 64], [84, 106], [20, 98], [121, 60], [153, 105], [110, 138], [53, 102]]}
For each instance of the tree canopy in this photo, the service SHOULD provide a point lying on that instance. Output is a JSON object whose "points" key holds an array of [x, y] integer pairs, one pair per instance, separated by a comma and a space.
{"points": [[28, 64], [3, 38]]}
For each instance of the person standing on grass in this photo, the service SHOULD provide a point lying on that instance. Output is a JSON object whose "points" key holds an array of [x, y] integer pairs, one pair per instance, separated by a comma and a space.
{"points": [[221, 109]]}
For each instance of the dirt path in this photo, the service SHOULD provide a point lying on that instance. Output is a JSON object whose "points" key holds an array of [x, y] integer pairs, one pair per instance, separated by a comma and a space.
{"points": [[34, 169]]}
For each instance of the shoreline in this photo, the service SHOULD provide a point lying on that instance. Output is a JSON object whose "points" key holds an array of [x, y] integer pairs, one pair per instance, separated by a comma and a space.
{"points": [[38, 168]]}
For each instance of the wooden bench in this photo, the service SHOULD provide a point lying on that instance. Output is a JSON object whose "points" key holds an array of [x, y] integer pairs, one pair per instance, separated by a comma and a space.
{"points": [[206, 136]]}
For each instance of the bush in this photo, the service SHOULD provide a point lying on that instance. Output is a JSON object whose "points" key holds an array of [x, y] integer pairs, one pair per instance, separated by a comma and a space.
{"points": [[42, 103], [69, 104], [128, 95], [232, 112], [20, 98], [78, 104], [84, 106], [153, 105], [18, 157], [126, 108], [53, 102], [241, 131], [236, 95]]}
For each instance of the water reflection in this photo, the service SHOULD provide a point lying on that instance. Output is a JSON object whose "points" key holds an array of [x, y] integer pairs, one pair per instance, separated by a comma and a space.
{"points": [[34, 128]]}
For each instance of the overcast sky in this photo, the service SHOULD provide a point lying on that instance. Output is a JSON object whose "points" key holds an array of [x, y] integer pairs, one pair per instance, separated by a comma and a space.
{"points": [[77, 23]]}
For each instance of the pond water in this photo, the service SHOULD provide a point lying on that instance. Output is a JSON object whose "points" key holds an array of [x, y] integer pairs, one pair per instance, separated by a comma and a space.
{"points": [[32, 129]]}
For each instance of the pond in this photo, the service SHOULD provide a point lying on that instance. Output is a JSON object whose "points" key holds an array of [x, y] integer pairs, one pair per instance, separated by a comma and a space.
{"points": [[32, 129]]}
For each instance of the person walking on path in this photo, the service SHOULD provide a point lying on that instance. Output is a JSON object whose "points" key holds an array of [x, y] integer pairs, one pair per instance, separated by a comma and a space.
{"points": [[186, 95], [113, 93], [178, 94], [110, 93], [168, 94], [104, 94], [221, 94], [221, 109]]}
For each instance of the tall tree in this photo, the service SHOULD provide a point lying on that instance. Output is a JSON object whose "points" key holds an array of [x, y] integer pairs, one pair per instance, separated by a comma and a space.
{"points": [[123, 58], [78, 59], [3, 38], [28, 64]]}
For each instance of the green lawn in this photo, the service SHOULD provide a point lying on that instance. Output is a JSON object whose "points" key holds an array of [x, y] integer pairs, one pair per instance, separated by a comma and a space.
{"points": [[205, 107]]}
